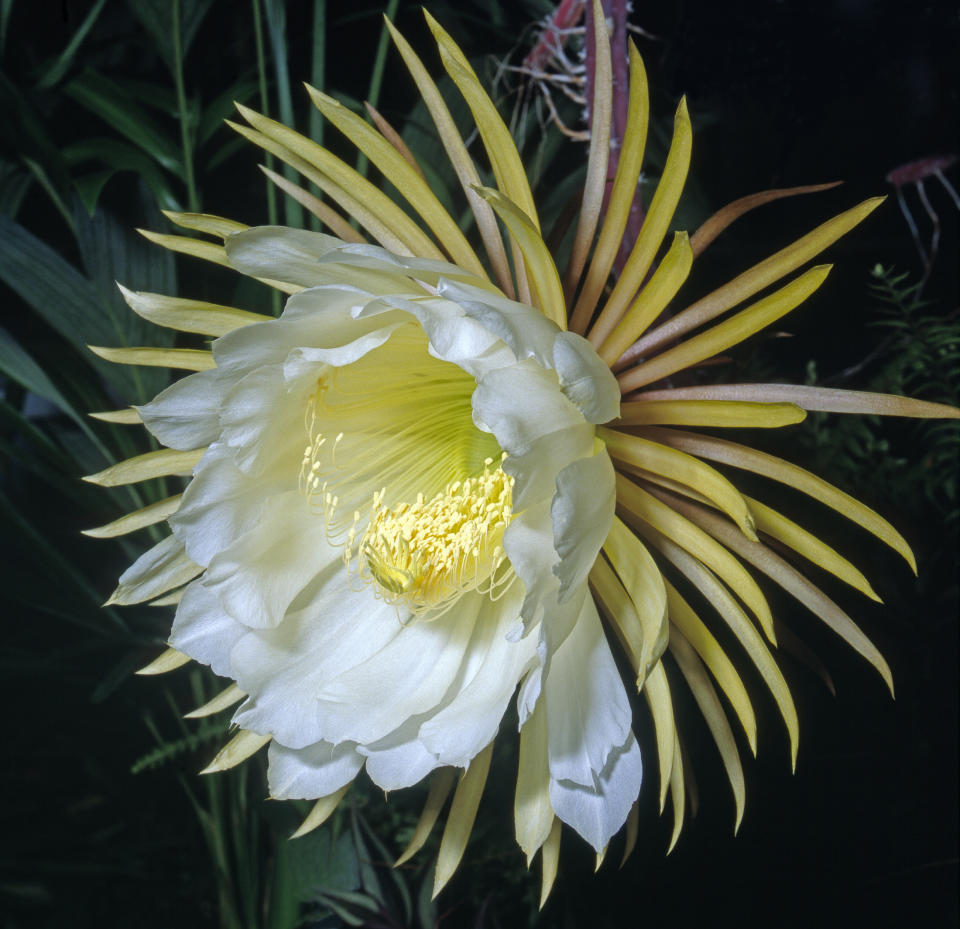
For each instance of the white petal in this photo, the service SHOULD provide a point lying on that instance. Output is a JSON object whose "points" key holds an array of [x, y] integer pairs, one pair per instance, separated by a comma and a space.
{"points": [[598, 812], [260, 575], [582, 513], [468, 723], [283, 669], [315, 771], [202, 630], [279, 253], [187, 414], [586, 379], [588, 714], [399, 760], [411, 674], [221, 503]]}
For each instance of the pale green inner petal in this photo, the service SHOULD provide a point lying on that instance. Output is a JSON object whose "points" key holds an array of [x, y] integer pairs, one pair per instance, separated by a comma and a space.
{"points": [[404, 479]]}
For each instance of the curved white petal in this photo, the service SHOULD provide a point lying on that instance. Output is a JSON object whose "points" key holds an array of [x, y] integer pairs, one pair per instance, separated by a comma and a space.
{"points": [[202, 630], [258, 577], [315, 771]]}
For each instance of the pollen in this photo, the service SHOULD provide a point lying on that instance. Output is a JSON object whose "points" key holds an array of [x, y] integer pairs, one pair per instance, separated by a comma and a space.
{"points": [[425, 554]]}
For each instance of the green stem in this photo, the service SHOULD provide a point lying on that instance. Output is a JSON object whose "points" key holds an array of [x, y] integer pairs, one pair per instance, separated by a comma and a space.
{"points": [[265, 109], [318, 79], [376, 78], [185, 140]]}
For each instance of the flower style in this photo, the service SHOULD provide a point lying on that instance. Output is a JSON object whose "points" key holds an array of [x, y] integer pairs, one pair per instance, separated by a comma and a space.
{"points": [[414, 493]]}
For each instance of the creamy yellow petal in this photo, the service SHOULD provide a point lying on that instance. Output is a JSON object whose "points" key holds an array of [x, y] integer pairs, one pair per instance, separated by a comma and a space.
{"points": [[128, 417], [550, 861], [532, 812], [326, 214]]}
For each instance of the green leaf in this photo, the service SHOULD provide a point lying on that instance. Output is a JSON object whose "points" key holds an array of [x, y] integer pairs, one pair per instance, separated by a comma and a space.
{"points": [[114, 104], [14, 184], [63, 62], [17, 364], [155, 17], [119, 156]]}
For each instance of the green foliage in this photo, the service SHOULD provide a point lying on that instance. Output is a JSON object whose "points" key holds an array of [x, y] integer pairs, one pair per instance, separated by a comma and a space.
{"points": [[919, 356]]}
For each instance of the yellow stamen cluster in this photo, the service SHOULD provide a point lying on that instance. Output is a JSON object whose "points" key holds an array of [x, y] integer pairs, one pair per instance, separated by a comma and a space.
{"points": [[424, 555]]}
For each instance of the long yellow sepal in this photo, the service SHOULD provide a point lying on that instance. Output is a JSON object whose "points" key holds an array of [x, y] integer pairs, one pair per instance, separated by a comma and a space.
{"points": [[749, 459], [460, 159], [643, 583], [189, 315], [621, 196], [138, 519], [440, 787], [185, 359], [649, 506], [238, 749], [761, 275], [714, 413], [168, 660], [730, 332], [542, 272], [738, 621], [601, 118], [549, 861], [463, 811], [532, 813], [784, 530], [128, 417], [690, 626], [325, 213], [205, 222], [345, 179], [322, 810], [654, 228], [657, 693], [226, 698], [710, 707], [164, 462], [504, 157], [680, 468], [652, 300], [410, 184]]}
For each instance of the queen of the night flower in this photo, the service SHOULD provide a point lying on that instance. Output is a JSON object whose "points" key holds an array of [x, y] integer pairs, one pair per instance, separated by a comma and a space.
{"points": [[423, 493]]}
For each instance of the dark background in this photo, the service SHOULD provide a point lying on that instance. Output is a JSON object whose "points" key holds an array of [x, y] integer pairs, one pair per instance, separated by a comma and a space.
{"points": [[865, 832]]}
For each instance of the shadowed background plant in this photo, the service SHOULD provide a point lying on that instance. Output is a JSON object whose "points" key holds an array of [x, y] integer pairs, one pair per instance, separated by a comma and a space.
{"points": [[47, 451]]}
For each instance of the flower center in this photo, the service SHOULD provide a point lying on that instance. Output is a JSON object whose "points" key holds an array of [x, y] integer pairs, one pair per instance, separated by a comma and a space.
{"points": [[425, 555]]}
